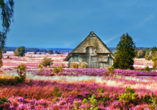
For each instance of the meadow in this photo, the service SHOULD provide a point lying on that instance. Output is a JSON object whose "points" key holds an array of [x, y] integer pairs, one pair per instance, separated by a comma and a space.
{"points": [[75, 89]]}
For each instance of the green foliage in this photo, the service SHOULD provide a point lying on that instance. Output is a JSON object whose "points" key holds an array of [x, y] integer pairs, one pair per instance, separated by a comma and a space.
{"points": [[154, 51], [2, 101], [125, 53], [21, 70], [46, 62], [92, 101], [147, 69], [57, 69], [60, 68], [41, 69], [56, 93], [128, 95], [7, 11], [140, 53], [110, 69], [84, 100], [147, 56], [154, 59], [20, 51], [100, 90], [147, 98], [7, 56]]}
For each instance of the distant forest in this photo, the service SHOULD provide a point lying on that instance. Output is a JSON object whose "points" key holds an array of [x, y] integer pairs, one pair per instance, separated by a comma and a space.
{"points": [[55, 49]]}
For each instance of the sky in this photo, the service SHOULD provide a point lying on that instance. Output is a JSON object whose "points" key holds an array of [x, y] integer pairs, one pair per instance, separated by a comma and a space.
{"points": [[66, 23]]}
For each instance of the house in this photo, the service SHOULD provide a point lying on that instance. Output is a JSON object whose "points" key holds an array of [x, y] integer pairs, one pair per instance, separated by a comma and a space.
{"points": [[92, 51]]}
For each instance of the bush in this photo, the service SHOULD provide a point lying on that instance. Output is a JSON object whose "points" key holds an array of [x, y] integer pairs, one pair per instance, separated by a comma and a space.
{"points": [[7, 56], [73, 65], [82, 65], [110, 69], [56, 93], [2, 101], [21, 70], [40, 68], [46, 62], [147, 69], [128, 95], [55, 70]]}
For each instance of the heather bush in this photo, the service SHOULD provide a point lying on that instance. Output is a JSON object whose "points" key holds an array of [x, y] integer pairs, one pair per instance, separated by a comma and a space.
{"points": [[46, 62], [73, 65], [21, 70], [82, 65], [147, 69]]}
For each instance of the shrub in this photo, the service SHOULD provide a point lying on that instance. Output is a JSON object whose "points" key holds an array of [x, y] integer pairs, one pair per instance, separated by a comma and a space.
{"points": [[21, 70], [110, 69], [40, 68], [82, 65], [2, 101], [56, 93], [147, 69], [46, 62], [73, 65], [128, 95], [60, 68], [7, 56], [55, 70]]}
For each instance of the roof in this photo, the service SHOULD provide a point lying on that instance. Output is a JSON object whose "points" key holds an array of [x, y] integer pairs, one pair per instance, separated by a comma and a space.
{"points": [[91, 40]]}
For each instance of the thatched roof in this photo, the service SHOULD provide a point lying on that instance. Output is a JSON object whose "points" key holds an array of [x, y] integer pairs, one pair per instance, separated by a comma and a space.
{"points": [[91, 40]]}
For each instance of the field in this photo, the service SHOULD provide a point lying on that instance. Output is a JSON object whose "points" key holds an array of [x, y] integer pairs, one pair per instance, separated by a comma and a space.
{"points": [[75, 89]]}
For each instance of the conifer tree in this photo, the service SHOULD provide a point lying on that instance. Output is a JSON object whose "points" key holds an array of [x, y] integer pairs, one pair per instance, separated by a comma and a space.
{"points": [[125, 53]]}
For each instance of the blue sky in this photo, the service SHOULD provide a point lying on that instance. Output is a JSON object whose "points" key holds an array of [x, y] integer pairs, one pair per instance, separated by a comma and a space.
{"points": [[65, 23]]}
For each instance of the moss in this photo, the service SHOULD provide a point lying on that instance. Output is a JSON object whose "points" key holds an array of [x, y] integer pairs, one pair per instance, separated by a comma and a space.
{"points": [[92, 42]]}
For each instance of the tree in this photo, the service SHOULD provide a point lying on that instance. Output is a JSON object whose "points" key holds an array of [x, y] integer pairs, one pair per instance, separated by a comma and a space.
{"points": [[20, 51], [50, 51], [125, 53], [6, 7], [35, 52], [46, 61], [147, 57], [154, 59], [140, 54]]}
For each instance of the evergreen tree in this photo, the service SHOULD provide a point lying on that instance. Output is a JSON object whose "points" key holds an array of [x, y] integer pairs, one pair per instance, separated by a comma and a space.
{"points": [[16, 52], [125, 53]]}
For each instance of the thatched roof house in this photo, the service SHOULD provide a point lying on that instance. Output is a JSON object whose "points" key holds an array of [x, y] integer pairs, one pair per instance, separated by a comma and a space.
{"points": [[92, 51]]}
